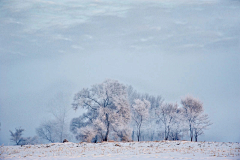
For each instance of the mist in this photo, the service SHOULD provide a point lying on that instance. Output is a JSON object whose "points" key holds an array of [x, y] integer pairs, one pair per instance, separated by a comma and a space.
{"points": [[170, 48]]}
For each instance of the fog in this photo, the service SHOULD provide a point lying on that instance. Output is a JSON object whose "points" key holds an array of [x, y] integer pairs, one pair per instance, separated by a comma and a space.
{"points": [[170, 48]]}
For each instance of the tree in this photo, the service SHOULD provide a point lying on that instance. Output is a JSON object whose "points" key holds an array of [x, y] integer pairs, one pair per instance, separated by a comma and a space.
{"points": [[29, 140], [106, 106], [59, 107], [202, 122], [140, 113], [55, 129], [150, 128], [193, 113], [124, 133], [87, 133], [17, 136], [168, 114], [155, 101], [47, 131]]}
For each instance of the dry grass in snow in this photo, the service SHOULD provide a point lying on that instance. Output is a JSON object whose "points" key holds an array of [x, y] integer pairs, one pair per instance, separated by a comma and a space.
{"points": [[121, 150]]}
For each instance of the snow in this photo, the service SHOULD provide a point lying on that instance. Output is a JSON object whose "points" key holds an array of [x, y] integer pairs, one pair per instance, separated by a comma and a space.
{"points": [[122, 150]]}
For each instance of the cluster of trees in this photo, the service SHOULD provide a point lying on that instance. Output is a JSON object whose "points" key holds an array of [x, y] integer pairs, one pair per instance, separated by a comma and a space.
{"points": [[51, 130], [113, 110], [55, 129], [17, 138]]}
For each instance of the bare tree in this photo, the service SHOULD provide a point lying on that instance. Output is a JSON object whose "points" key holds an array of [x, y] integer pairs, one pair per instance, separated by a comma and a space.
{"points": [[86, 119], [56, 129], [77, 123], [106, 105], [202, 123], [16, 137], [29, 140], [168, 114], [59, 107], [193, 113], [140, 113], [47, 131]]}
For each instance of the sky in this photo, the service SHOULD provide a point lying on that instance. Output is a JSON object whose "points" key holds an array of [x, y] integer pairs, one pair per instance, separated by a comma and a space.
{"points": [[171, 48]]}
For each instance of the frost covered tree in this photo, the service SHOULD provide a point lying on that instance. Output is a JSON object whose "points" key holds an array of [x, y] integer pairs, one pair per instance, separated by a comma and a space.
{"points": [[80, 122], [140, 113], [150, 129], [16, 136], [179, 128], [193, 113], [168, 114], [155, 101], [106, 107], [87, 133], [124, 133], [202, 123]]}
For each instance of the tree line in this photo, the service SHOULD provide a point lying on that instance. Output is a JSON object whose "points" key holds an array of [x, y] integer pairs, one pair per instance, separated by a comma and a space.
{"points": [[117, 112], [114, 111]]}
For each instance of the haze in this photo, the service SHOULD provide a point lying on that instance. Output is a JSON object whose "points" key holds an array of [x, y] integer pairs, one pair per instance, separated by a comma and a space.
{"points": [[170, 48]]}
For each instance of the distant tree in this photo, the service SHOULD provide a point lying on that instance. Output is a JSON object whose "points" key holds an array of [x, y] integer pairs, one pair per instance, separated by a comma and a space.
{"points": [[202, 122], [150, 127], [47, 131], [178, 129], [55, 129], [168, 114], [16, 137], [59, 107], [106, 106], [140, 113], [176, 132], [87, 133], [124, 133], [193, 113], [29, 141], [155, 101], [79, 122]]}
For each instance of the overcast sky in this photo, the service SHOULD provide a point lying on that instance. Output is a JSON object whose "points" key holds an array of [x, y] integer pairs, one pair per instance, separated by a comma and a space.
{"points": [[170, 48]]}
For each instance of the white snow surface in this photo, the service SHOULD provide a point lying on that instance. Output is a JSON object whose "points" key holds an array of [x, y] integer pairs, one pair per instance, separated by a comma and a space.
{"points": [[124, 150]]}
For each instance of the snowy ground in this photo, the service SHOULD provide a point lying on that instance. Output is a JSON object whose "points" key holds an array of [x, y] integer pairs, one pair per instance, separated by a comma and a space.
{"points": [[120, 150]]}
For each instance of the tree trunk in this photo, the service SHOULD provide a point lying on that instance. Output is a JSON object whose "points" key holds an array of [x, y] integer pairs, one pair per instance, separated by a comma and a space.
{"points": [[196, 137], [139, 132], [106, 136], [138, 135], [133, 135], [166, 133], [139, 129], [191, 133]]}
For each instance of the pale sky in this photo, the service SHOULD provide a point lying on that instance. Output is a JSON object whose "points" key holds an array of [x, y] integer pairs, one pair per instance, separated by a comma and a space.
{"points": [[170, 48]]}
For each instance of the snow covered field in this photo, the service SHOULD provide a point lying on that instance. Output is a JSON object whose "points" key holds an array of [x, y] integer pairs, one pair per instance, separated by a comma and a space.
{"points": [[128, 150]]}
